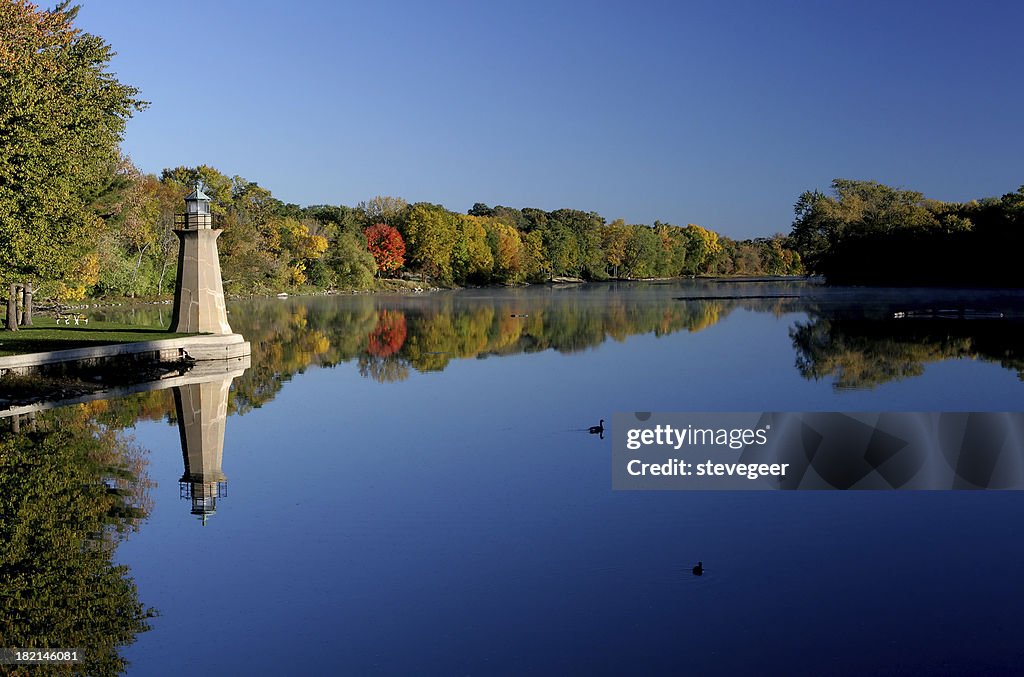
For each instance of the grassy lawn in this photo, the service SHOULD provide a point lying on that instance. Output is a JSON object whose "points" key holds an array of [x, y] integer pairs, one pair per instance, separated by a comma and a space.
{"points": [[45, 336]]}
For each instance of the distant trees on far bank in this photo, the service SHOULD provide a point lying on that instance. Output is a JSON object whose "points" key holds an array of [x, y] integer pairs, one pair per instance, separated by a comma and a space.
{"points": [[270, 246], [869, 233]]}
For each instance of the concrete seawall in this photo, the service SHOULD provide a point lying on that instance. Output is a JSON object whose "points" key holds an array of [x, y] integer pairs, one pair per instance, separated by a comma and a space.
{"points": [[198, 348], [201, 372]]}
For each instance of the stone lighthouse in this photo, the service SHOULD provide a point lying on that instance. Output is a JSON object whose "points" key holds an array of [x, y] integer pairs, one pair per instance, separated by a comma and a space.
{"points": [[199, 294]]}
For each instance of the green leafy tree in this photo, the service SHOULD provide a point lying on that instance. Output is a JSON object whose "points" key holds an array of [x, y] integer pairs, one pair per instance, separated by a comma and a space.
{"points": [[561, 248], [256, 202], [536, 267], [430, 234], [343, 219], [352, 264], [507, 250], [824, 225], [642, 250], [616, 237], [383, 209], [674, 245], [480, 209], [300, 246], [168, 199], [701, 249], [586, 229], [473, 259], [61, 120]]}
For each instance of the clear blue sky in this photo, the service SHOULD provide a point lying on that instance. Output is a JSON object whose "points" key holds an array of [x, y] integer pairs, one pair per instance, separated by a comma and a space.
{"points": [[718, 113]]}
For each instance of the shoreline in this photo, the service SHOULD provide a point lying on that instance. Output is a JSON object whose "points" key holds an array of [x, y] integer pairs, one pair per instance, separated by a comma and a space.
{"points": [[427, 287], [197, 348], [869, 289], [56, 375]]}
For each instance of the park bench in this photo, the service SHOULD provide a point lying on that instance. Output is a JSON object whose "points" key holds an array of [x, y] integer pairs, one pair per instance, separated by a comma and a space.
{"points": [[67, 316]]}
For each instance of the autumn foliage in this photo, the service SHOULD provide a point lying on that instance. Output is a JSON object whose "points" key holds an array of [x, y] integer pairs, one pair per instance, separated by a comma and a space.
{"points": [[386, 245], [388, 337]]}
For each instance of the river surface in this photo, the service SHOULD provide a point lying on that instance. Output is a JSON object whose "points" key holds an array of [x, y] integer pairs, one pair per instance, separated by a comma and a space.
{"points": [[406, 485]]}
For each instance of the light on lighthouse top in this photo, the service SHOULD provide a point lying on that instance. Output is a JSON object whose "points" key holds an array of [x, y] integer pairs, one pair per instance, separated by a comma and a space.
{"points": [[197, 202], [197, 211]]}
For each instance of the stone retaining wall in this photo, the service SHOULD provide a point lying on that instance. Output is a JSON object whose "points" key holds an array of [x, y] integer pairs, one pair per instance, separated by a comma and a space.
{"points": [[198, 348]]}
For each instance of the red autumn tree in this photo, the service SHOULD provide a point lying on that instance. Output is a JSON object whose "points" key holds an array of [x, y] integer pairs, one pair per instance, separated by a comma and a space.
{"points": [[386, 245], [388, 337]]}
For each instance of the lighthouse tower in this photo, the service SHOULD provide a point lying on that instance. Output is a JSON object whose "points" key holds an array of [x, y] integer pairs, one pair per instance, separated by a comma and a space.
{"points": [[199, 294]]}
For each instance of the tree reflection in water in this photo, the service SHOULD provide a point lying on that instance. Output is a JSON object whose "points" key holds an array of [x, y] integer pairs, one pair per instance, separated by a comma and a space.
{"points": [[848, 335], [72, 488], [391, 337], [861, 353]]}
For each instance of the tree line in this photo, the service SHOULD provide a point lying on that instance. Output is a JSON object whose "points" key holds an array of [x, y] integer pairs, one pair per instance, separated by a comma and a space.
{"points": [[269, 246], [869, 233]]}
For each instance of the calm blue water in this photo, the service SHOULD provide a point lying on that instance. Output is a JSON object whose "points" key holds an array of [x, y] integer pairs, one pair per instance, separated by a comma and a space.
{"points": [[438, 508]]}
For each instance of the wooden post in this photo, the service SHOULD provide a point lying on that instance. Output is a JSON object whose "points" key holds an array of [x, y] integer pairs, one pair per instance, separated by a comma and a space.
{"points": [[17, 304], [26, 317], [12, 309]]}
